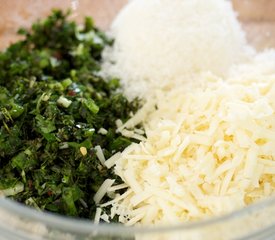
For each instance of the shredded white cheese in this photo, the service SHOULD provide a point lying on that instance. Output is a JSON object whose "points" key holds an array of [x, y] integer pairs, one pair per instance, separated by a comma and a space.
{"points": [[97, 215], [100, 155], [112, 160], [103, 190], [208, 151]]}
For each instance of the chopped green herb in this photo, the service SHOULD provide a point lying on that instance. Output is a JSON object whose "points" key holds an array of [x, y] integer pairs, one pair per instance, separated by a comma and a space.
{"points": [[52, 104]]}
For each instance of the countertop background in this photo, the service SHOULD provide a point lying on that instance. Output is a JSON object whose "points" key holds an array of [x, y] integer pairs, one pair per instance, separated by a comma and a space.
{"points": [[256, 16]]}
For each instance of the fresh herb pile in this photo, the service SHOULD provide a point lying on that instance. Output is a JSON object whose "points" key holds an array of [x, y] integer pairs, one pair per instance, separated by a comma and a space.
{"points": [[54, 110]]}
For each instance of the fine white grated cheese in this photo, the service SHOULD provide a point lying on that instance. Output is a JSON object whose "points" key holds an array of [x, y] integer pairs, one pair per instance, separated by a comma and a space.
{"points": [[158, 43]]}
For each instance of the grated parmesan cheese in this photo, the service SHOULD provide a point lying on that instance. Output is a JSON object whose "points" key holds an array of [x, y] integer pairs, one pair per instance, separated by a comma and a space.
{"points": [[158, 43], [209, 150]]}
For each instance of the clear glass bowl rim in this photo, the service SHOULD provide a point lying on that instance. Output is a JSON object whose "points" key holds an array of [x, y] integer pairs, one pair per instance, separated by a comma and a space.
{"points": [[84, 226]]}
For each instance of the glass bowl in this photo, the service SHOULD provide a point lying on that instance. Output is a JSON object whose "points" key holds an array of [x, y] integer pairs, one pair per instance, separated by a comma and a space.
{"points": [[19, 222]]}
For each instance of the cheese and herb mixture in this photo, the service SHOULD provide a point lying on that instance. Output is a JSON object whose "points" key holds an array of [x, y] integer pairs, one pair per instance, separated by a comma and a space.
{"points": [[198, 143]]}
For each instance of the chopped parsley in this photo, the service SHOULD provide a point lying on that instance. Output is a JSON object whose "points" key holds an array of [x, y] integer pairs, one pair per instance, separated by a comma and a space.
{"points": [[53, 107]]}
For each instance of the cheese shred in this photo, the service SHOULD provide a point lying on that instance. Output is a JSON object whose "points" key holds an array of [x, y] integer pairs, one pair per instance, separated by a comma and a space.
{"points": [[208, 151]]}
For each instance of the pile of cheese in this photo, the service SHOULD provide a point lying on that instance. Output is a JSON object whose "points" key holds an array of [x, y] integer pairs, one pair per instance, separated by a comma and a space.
{"points": [[160, 42], [209, 117], [208, 151]]}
